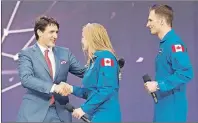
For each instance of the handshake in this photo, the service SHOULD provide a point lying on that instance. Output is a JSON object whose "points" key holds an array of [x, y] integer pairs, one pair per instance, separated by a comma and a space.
{"points": [[64, 89]]}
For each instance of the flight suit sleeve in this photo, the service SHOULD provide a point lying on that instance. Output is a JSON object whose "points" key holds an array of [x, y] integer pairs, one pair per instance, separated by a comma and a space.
{"points": [[80, 92], [179, 59], [106, 85]]}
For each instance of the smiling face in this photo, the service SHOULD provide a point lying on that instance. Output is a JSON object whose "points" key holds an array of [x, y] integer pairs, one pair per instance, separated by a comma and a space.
{"points": [[48, 37], [154, 23]]}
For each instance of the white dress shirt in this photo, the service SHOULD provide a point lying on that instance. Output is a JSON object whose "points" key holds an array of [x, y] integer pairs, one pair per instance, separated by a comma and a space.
{"points": [[52, 60]]}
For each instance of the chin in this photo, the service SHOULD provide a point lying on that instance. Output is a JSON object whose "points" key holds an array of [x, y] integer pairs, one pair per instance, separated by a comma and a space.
{"points": [[153, 33], [51, 45]]}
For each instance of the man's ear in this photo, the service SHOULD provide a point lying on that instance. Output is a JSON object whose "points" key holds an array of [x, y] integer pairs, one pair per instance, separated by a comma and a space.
{"points": [[162, 21], [39, 32]]}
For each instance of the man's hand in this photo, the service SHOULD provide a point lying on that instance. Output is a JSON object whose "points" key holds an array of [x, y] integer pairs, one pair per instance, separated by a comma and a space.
{"points": [[78, 113], [63, 89], [151, 86]]}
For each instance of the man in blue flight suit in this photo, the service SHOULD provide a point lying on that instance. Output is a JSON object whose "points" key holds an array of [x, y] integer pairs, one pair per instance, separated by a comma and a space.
{"points": [[173, 68]]}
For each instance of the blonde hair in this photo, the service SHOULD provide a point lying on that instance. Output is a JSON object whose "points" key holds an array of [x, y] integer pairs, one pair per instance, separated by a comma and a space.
{"points": [[96, 38]]}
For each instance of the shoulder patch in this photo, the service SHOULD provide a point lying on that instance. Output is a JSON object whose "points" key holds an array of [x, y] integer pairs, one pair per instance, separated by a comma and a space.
{"points": [[177, 48], [107, 62]]}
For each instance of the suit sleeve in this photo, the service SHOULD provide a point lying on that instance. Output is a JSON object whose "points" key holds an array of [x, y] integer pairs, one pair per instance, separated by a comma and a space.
{"points": [[107, 85], [27, 78], [75, 67], [181, 66], [80, 92]]}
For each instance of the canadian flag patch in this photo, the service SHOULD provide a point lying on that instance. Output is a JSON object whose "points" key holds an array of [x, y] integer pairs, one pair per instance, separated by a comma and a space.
{"points": [[178, 48], [107, 62]]}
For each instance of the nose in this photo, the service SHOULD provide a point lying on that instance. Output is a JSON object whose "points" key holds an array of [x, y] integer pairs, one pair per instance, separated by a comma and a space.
{"points": [[55, 35], [147, 25]]}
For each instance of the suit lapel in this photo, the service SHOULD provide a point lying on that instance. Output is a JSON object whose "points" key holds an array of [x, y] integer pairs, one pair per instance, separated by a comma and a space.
{"points": [[57, 62], [40, 57]]}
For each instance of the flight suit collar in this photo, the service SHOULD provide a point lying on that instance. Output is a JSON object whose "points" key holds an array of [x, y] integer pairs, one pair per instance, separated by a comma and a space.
{"points": [[167, 35], [97, 53], [94, 57]]}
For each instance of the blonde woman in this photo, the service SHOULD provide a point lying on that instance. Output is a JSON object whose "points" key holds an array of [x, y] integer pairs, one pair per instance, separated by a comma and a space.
{"points": [[101, 80]]}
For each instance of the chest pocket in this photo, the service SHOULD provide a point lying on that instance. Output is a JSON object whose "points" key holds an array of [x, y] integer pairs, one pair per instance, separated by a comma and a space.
{"points": [[162, 63], [64, 65], [63, 70], [160, 60]]}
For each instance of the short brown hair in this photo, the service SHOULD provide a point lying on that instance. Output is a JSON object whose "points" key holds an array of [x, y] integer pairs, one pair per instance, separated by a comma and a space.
{"points": [[42, 22], [164, 11]]}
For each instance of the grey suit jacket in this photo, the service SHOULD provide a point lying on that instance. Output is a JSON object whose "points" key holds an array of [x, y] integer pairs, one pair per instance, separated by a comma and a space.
{"points": [[35, 77]]}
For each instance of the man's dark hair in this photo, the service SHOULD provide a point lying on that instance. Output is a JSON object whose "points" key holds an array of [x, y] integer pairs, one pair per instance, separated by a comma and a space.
{"points": [[42, 22], [164, 11]]}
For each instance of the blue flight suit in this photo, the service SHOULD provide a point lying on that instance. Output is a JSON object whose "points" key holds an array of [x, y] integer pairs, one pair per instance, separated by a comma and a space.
{"points": [[173, 72], [101, 89]]}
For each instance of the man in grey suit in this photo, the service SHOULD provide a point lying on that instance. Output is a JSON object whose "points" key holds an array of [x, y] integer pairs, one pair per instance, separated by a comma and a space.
{"points": [[43, 70]]}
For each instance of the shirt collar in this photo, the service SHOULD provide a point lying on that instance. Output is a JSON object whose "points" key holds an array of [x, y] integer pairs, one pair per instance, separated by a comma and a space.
{"points": [[168, 34], [43, 48]]}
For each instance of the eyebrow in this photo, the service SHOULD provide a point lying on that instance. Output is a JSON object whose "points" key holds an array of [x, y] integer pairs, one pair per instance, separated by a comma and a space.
{"points": [[54, 31]]}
